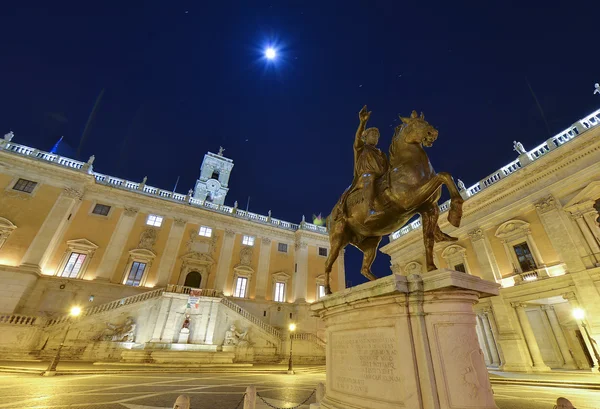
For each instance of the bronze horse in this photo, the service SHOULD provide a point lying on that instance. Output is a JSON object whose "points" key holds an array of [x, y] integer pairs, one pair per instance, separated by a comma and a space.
{"points": [[409, 186]]}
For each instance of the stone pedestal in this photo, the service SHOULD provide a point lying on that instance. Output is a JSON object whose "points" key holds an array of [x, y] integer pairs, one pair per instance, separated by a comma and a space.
{"points": [[184, 334], [406, 342]]}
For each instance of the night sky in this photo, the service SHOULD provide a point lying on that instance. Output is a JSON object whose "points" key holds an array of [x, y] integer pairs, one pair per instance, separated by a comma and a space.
{"points": [[182, 77]]}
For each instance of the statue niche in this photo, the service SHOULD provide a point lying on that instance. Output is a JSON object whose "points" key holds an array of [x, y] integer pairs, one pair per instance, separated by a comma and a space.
{"points": [[193, 279]]}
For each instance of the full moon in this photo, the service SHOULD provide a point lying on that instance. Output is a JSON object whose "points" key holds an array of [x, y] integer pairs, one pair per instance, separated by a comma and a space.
{"points": [[270, 53]]}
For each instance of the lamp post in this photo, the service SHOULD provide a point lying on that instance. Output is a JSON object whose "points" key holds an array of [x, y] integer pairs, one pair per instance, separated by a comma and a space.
{"points": [[51, 371], [579, 315], [292, 328]]}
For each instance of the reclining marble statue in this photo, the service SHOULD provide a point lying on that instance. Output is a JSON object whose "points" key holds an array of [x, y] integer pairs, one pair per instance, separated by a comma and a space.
{"points": [[119, 333], [387, 192]]}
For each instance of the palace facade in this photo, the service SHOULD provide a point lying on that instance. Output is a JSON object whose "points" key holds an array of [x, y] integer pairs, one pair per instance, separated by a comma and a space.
{"points": [[531, 227], [125, 250]]}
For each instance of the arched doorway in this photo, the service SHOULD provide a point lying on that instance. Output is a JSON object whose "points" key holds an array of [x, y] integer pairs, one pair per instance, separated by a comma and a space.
{"points": [[193, 279]]}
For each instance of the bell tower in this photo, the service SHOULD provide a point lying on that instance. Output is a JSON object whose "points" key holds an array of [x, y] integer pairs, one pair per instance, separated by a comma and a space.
{"points": [[214, 178]]}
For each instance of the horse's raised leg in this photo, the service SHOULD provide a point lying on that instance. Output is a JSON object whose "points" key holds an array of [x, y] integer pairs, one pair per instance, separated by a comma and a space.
{"points": [[338, 239], [369, 248], [456, 200], [429, 218]]}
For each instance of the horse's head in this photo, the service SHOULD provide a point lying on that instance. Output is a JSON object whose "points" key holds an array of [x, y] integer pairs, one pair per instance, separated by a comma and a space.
{"points": [[416, 129]]}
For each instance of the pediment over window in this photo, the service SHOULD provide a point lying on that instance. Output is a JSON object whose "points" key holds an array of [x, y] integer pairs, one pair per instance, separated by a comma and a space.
{"points": [[453, 250], [244, 270], [82, 245], [512, 228], [281, 276], [142, 254], [198, 258], [6, 225], [320, 279]]}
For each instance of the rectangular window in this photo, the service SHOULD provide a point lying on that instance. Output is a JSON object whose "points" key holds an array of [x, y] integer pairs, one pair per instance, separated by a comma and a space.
{"points": [[135, 274], [460, 267], [282, 247], [24, 185], [205, 231], [320, 291], [323, 251], [73, 266], [154, 220], [240, 287], [248, 240], [280, 292], [101, 209], [525, 257]]}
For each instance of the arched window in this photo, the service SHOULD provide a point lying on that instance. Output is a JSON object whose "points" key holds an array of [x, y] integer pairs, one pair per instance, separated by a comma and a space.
{"points": [[193, 279]]}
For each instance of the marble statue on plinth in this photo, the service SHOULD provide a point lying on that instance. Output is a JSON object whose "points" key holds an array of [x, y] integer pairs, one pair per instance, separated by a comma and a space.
{"points": [[184, 333]]}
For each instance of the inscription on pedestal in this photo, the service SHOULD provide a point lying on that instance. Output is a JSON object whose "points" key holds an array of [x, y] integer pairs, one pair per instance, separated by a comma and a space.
{"points": [[365, 363]]}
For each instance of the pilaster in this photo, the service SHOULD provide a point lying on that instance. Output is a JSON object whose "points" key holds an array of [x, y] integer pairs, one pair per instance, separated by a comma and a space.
{"points": [[225, 255], [116, 245], [301, 270], [51, 231], [569, 362], [487, 330], [262, 275], [555, 225], [169, 255], [487, 261]]}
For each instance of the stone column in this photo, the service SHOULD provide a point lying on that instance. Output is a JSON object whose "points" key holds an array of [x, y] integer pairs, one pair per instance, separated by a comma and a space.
{"points": [[565, 244], [485, 256], [482, 341], [212, 320], [574, 303], [301, 274], [224, 260], [560, 337], [169, 254], [534, 349], [341, 278], [116, 245], [51, 231], [487, 330], [488, 311], [262, 274]]}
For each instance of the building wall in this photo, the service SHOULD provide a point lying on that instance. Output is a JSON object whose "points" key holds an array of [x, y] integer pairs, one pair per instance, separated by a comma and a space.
{"points": [[551, 194], [29, 212]]}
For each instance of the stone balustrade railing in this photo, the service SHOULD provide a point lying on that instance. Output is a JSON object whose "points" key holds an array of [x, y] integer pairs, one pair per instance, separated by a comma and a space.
{"points": [[109, 306], [17, 319], [200, 292], [579, 127], [252, 318], [308, 336], [124, 184]]}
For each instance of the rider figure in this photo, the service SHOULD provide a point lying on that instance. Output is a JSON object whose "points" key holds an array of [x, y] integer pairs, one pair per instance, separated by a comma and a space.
{"points": [[369, 162]]}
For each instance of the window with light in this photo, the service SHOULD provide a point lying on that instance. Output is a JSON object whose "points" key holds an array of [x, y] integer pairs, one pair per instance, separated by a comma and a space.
{"points": [[320, 291], [205, 231], [154, 220], [73, 266], [240, 287], [135, 274], [248, 240], [279, 292]]}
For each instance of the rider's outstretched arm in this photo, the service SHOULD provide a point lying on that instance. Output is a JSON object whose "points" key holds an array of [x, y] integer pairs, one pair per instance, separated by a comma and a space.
{"points": [[363, 115]]}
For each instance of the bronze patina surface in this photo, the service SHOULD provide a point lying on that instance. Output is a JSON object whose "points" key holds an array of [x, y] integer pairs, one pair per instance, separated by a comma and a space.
{"points": [[387, 192]]}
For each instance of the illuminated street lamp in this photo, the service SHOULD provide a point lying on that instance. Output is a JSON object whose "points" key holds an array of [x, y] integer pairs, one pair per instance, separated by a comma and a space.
{"points": [[51, 371], [579, 315], [292, 328]]}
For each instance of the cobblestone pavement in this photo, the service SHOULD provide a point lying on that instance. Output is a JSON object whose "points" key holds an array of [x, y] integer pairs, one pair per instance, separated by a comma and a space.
{"points": [[218, 391]]}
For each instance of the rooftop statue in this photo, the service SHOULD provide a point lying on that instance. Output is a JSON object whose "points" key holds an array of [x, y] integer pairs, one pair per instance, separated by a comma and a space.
{"points": [[386, 193]]}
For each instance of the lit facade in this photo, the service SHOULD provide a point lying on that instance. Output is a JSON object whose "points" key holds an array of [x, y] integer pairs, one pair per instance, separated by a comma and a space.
{"points": [[531, 227], [70, 235]]}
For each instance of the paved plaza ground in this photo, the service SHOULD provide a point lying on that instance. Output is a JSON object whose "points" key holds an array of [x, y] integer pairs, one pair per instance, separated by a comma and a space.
{"points": [[221, 390]]}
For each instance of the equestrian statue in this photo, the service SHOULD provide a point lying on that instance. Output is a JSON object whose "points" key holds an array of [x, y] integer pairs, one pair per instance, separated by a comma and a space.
{"points": [[387, 192]]}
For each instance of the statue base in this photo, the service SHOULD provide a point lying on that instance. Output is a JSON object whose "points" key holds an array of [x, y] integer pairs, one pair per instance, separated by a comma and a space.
{"points": [[406, 342], [184, 334]]}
